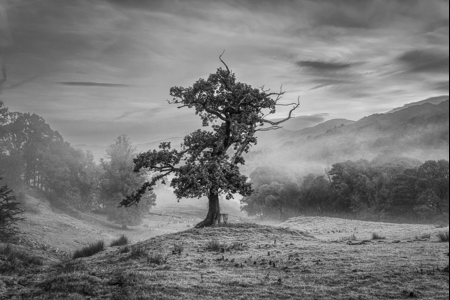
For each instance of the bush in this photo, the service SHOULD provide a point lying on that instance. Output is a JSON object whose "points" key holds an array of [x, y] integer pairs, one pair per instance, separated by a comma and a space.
{"points": [[122, 241], [90, 250], [443, 236], [9, 214]]}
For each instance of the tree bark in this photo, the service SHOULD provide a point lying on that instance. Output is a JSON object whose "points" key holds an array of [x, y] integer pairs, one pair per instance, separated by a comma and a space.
{"points": [[213, 215]]}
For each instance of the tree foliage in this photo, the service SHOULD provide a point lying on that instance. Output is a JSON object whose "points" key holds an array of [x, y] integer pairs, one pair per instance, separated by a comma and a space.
{"points": [[32, 153], [10, 212], [208, 162], [119, 180], [376, 190]]}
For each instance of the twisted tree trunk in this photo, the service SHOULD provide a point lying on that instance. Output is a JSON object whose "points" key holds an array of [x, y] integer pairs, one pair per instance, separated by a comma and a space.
{"points": [[213, 216]]}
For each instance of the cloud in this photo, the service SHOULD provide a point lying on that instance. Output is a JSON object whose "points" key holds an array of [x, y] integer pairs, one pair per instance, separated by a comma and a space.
{"points": [[115, 60], [425, 61], [442, 86], [94, 84], [324, 66]]}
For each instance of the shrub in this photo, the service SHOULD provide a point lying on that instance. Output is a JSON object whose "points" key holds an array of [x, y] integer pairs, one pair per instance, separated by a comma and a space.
{"points": [[90, 250], [443, 236], [376, 236], [122, 241]]}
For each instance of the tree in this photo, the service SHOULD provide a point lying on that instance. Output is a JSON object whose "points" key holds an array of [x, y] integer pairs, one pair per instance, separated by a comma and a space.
{"points": [[119, 180], [9, 213], [208, 162]]}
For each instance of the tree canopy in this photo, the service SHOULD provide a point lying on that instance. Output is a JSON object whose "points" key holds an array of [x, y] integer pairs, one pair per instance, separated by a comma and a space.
{"points": [[208, 162]]}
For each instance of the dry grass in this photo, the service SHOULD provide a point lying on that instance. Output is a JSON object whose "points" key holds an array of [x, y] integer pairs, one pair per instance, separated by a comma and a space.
{"points": [[13, 260], [90, 250], [377, 236], [121, 241], [261, 262], [443, 236]]}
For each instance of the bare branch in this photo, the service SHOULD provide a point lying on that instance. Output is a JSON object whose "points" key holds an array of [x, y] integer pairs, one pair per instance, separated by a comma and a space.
{"points": [[269, 128], [297, 105], [226, 66]]}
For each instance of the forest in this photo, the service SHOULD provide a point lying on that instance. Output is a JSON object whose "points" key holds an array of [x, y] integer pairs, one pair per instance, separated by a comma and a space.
{"points": [[381, 190], [35, 158]]}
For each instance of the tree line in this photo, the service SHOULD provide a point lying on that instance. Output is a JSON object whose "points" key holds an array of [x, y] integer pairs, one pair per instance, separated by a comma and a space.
{"points": [[35, 156], [395, 189]]}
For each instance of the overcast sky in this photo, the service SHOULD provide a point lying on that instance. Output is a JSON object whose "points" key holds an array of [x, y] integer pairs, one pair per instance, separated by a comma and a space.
{"points": [[95, 69]]}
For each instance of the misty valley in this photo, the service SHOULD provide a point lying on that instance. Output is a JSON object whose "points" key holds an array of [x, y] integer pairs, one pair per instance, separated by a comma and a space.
{"points": [[315, 199], [233, 149]]}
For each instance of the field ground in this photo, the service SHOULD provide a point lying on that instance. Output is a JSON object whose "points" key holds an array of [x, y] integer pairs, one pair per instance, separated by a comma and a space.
{"points": [[303, 258]]}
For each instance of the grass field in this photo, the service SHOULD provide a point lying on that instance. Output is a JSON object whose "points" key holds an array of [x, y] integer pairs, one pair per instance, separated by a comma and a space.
{"points": [[249, 261]]}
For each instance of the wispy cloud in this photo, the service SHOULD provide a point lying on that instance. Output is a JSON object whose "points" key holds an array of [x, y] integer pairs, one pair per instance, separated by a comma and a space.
{"points": [[94, 84]]}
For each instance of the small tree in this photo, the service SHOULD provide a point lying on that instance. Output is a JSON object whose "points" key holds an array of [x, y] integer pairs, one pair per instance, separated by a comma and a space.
{"points": [[9, 214], [208, 162], [119, 180]]}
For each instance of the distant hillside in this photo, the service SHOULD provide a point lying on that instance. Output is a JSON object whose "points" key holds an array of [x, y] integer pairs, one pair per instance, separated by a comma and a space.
{"points": [[322, 128], [434, 100], [416, 131]]}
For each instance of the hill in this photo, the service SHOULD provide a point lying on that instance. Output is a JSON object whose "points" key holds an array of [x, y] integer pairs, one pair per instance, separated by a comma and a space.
{"points": [[247, 261], [434, 100], [418, 131]]}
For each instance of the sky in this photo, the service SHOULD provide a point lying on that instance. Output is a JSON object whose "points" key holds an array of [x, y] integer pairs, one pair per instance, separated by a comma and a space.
{"points": [[95, 69]]}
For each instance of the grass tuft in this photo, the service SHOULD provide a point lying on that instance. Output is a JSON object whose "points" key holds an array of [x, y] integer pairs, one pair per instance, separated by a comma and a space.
{"points": [[89, 250], [15, 259], [214, 245], [443, 236], [423, 236], [138, 252], [122, 241], [178, 249], [156, 258], [125, 249], [376, 236]]}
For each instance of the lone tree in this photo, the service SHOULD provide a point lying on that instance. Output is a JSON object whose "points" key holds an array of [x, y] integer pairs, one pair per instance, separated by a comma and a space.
{"points": [[208, 162]]}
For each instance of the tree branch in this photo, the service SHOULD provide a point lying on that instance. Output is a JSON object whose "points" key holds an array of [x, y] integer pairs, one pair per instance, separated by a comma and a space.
{"points": [[226, 66], [297, 105]]}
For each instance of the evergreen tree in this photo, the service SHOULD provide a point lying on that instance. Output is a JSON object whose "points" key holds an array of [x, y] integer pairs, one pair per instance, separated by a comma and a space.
{"points": [[9, 214]]}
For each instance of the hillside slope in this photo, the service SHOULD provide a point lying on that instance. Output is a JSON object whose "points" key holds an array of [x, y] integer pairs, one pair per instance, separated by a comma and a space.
{"points": [[419, 131], [243, 261]]}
